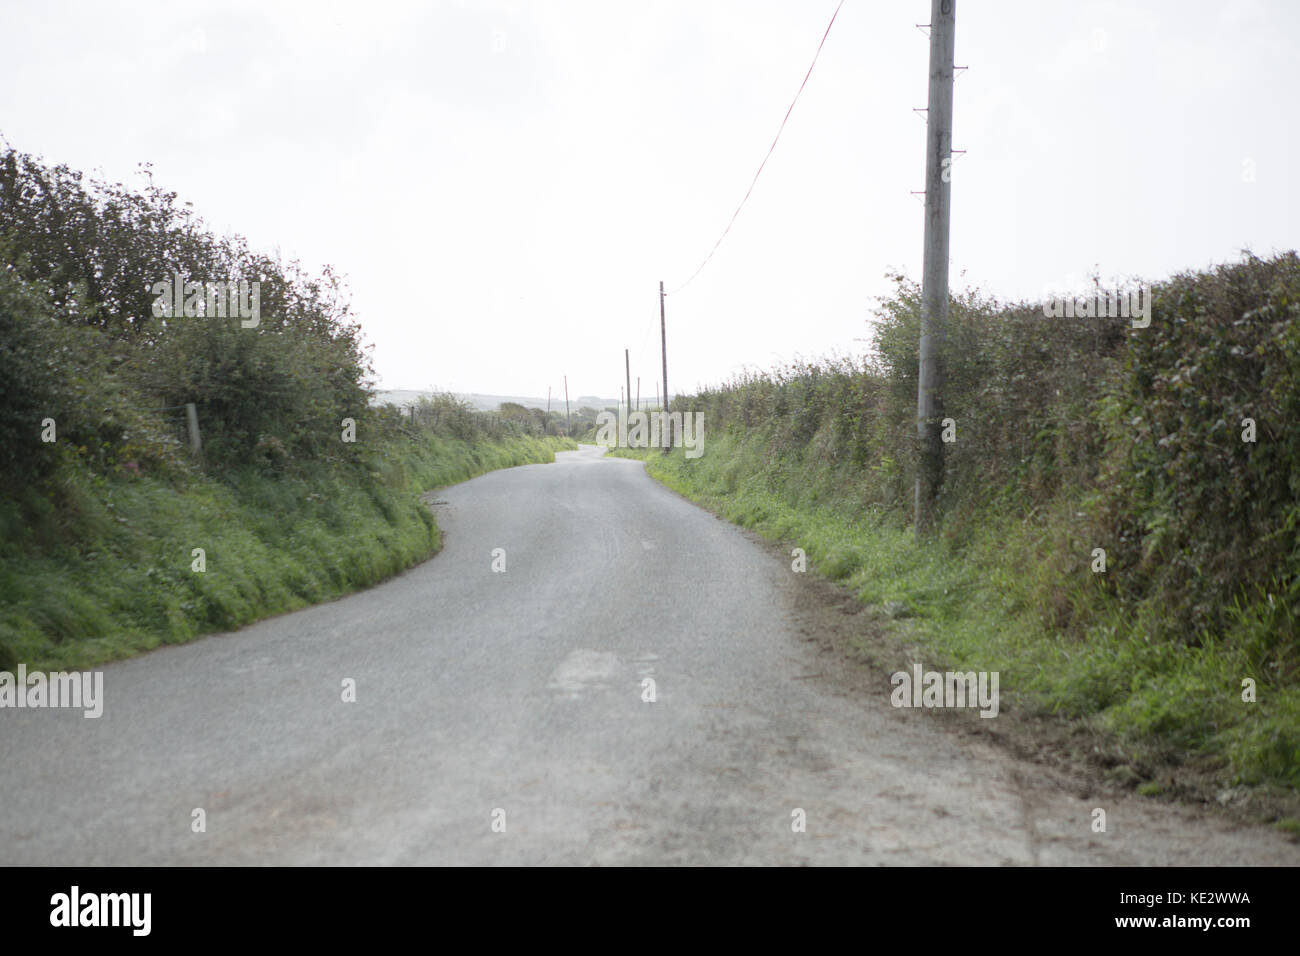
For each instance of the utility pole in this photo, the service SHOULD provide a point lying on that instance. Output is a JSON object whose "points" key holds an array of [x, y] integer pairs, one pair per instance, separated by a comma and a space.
{"points": [[663, 342], [627, 371], [568, 419], [934, 279]]}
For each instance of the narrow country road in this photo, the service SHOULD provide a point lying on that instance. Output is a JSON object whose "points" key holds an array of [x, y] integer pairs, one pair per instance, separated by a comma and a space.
{"points": [[517, 697]]}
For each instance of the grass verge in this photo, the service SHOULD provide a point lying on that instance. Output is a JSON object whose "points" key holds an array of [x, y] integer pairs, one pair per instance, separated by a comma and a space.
{"points": [[112, 571]]}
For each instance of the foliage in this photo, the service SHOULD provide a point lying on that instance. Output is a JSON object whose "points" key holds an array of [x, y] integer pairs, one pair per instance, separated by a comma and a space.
{"points": [[1097, 433]]}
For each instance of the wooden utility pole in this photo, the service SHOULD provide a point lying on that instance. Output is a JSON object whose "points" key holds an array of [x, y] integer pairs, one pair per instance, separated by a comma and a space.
{"points": [[663, 342], [568, 420], [934, 279]]}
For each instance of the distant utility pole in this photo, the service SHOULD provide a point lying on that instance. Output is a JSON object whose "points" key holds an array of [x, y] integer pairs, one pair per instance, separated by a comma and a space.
{"points": [[663, 342], [934, 279], [568, 420], [627, 372]]}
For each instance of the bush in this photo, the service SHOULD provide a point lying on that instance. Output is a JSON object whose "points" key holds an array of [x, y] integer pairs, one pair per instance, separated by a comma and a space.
{"points": [[89, 345], [29, 379], [1089, 431], [1198, 513]]}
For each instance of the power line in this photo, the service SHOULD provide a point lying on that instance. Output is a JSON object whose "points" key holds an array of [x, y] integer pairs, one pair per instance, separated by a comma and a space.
{"points": [[770, 149]]}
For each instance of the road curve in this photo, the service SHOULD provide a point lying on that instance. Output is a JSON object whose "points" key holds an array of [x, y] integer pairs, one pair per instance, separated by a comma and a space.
{"points": [[499, 718]]}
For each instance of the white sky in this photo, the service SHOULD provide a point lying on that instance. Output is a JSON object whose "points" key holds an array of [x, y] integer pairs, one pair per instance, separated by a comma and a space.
{"points": [[506, 183]]}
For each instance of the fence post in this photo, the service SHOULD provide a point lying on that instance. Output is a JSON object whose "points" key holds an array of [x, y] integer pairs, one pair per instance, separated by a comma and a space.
{"points": [[192, 420]]}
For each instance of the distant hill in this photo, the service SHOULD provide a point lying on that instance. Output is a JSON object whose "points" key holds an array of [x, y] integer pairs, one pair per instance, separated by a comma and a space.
{"points": [[489, 403]]}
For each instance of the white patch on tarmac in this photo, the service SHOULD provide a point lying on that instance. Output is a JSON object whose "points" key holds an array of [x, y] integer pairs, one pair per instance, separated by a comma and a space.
{"points": [[583, 670], [645, 665]]}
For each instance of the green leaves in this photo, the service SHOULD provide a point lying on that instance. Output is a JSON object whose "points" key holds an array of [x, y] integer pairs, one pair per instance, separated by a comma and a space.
{"points": [[1221, 350], [76, 308]]}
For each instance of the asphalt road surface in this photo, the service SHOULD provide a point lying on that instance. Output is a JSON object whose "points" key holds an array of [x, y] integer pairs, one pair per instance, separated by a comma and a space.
{"points": [[500, 718]]}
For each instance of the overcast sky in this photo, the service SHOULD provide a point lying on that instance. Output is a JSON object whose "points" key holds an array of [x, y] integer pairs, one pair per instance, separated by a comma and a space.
{"points": [[506, 183]]}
